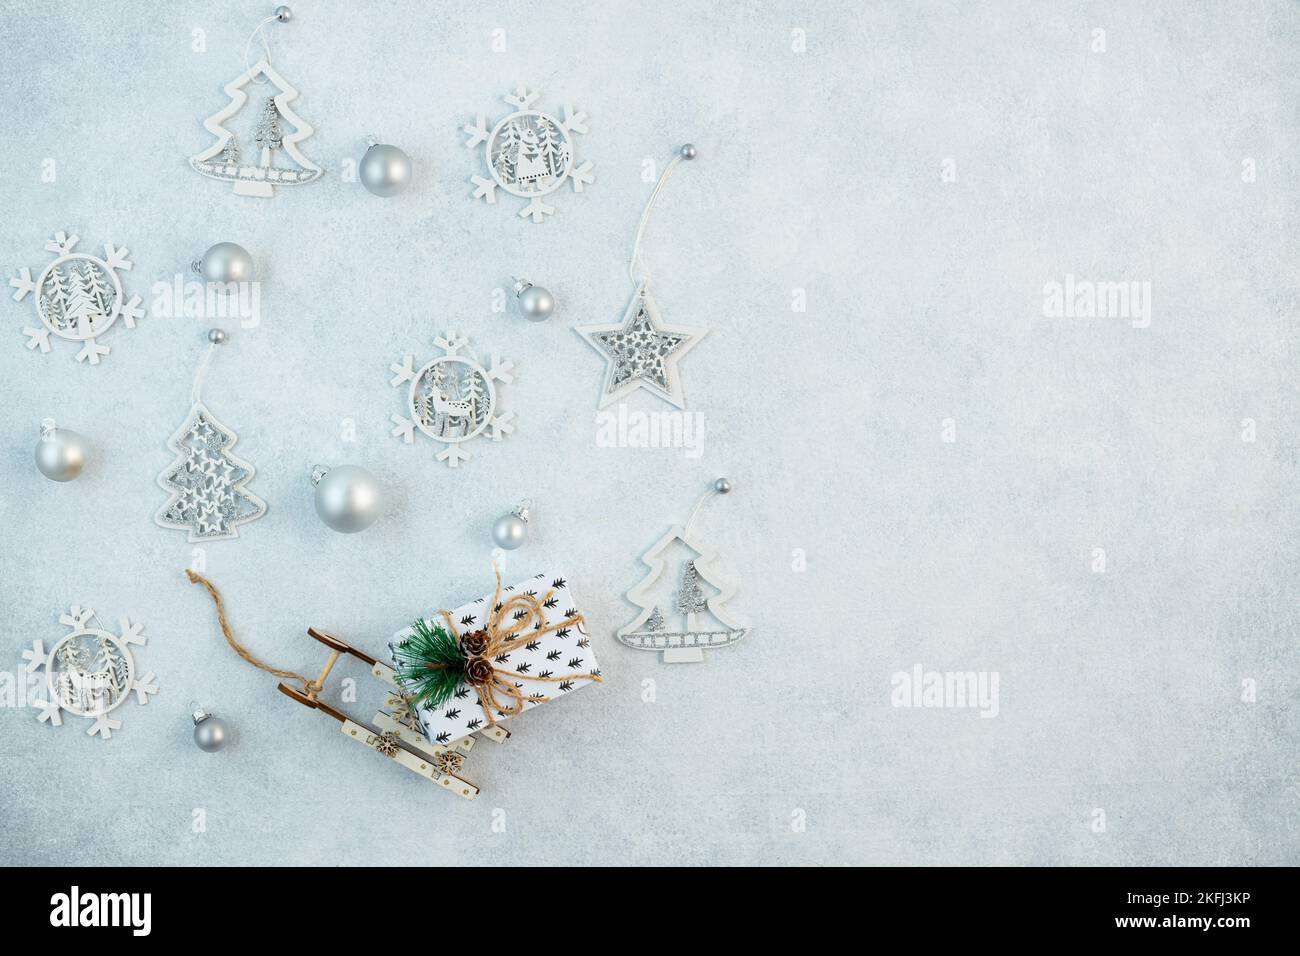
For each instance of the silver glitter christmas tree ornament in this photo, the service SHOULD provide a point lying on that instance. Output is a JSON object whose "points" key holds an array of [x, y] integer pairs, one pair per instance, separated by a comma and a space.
{"points": [[683, 599], [268, 156], [206, 483]]}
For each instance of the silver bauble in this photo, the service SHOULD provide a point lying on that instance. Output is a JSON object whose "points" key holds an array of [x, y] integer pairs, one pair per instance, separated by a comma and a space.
{"points": [[722, 486], [347, 498], [535, 303], [226, 262], [60, 454], [510, 531], [209, 731], [385, 170]]}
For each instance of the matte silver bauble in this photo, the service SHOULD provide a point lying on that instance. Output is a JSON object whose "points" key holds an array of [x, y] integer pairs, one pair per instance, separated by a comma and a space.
{"points": [[535, 303], [209, 731], [60, 453], [347, 497], [722, 486], [510, 531], [385, 170], [689, 151], [225, 262]]}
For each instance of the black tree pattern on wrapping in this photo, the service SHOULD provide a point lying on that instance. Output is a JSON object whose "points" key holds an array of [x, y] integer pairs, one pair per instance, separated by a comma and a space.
{"points": [[473, 720]]}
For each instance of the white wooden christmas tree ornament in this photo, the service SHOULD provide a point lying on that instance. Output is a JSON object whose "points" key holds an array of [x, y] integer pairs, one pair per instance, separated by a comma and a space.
{"points": [[207, 482], [267, 155], [78, 297], [641, 351], [678, 615], [529, 154], [90, 672], [452, 399]]}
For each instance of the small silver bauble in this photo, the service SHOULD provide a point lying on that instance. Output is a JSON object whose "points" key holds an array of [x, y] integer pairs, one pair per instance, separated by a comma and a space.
{"points": [[347, 497], [209, 731], [385, 170], [510, 531], [535, 303], [216, 336], [60, 453], [722, 486], [225, 262], [689, 152], [283, 14]]}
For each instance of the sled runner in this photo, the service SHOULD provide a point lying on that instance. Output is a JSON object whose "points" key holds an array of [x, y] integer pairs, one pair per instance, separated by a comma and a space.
{"points": [[399, 736]]}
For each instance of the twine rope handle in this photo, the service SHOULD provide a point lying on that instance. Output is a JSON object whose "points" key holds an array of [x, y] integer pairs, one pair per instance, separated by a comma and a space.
{"points": [[309, 686], [502, 640]]}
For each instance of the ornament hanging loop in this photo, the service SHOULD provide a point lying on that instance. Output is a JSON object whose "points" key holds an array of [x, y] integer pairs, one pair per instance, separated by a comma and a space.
{"points": [[720, 487], [636, 270], [215, 337], [282, 15]]}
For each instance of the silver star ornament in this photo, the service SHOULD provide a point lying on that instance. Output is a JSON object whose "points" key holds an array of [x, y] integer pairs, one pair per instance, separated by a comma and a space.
{"points": [[641, 352]]}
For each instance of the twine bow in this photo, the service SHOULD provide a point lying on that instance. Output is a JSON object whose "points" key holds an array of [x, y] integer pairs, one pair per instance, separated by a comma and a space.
{"points": [[496, 688]]}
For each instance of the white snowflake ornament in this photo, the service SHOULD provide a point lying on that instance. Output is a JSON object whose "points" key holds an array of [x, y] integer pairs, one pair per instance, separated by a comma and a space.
{"points": [[529, 154], [90, 672], [78, 297], [452, 399]]}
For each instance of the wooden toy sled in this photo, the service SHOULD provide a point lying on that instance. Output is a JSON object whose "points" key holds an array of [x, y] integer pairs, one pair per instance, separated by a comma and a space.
{"points": [[399, 736]]}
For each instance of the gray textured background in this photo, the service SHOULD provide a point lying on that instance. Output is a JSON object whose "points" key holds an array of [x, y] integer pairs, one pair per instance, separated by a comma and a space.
{"points": [[820, 171]]}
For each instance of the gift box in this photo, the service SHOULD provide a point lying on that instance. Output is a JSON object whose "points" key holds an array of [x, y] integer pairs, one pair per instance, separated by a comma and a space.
{"points": [[532, 638]]}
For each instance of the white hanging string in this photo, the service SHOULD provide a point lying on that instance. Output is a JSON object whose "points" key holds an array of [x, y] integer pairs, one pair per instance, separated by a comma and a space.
{"points": [[266, 47], [197, 390], [700, 504], [644, 277]]}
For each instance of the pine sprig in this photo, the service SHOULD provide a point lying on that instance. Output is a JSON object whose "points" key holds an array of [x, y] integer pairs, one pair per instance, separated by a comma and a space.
{"points": [[430, 663]]}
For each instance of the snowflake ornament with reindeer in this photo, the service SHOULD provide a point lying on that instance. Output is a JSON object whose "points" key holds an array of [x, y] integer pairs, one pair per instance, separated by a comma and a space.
{"points": [[78, 297], [529, 154], [90, 672], [452, 399]]}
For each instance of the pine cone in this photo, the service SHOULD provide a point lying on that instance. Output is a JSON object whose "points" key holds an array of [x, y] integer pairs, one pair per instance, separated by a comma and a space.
{"points": [[474, 643], [478, 670]]}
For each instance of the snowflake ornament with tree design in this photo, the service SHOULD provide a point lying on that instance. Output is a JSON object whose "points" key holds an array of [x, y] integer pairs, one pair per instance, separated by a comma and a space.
{"points": [[90, 672], [452, 399], [78, 297], [529, 154]]}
